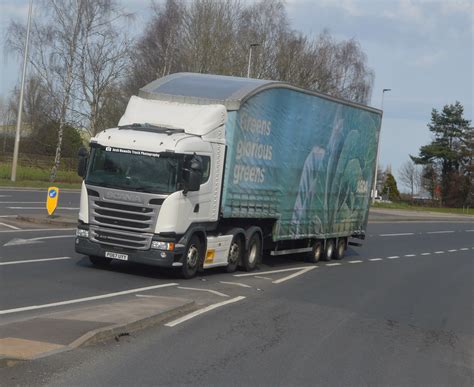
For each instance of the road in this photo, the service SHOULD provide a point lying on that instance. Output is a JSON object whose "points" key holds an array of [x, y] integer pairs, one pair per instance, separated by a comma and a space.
{"points": [[396, 311]]}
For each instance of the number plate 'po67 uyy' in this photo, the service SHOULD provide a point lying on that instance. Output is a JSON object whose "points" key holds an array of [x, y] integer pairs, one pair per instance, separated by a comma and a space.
{"points": [[122, 257]]}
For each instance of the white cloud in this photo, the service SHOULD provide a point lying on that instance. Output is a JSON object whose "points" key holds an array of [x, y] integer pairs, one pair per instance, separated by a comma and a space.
{"points": [[428, 59]]}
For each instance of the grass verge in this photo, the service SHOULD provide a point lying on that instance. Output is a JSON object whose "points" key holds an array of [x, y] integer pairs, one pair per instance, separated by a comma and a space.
{"points": [[411, 207], [34, 177]]}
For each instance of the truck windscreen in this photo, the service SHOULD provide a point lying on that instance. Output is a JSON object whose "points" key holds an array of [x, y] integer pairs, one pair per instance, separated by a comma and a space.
{"points": [[133, 170]]}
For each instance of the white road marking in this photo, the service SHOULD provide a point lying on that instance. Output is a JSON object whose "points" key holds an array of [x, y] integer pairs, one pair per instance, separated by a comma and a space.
{"points": [[410, 255], [22, 202], [33, 260], [440, 232], [21, 241], [236, 284], [464, 248], [5, 196], [265, 278], [393, 257], [452, 251], [9, 226], [205, 290], [43, 208], [92, 298], [334, 264], [271, 271], [398, 234], [302, 271], [38, 229], [469, 230], [203, 310], [8, 216], [425, 253], [375, 259], [439, 252], [355, 261]]}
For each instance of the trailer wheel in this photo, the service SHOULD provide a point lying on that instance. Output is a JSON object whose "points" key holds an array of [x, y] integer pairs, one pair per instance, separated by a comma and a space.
{"points": [[235, 254], [340, 250], [191, 258], [328, 250], [100, 261], [253, 254], [316, 253]]}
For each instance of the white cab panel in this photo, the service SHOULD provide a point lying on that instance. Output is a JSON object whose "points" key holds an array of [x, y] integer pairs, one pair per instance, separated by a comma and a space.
{"points": [[194, 119], [217, 251], [84, 205]]}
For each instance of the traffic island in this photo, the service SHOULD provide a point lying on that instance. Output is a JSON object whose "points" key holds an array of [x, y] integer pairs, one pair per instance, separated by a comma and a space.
{"points": [[50, 334], [59, 220]]}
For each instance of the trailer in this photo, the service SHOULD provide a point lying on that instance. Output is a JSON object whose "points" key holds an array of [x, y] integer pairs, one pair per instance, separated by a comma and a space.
{"points": [[207, 170]]}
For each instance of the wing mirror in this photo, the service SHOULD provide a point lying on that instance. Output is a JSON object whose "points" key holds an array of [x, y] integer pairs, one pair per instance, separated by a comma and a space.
{"points": [[83, 155], [192, 174]]}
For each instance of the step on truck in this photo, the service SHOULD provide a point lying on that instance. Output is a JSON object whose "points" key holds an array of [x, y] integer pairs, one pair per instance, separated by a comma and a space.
{"points": [[205, 171]]}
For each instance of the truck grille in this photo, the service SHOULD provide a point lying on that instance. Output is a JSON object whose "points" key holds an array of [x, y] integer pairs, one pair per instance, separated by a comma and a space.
{"points": [[123, 216], [128, 225], [122, 239]]}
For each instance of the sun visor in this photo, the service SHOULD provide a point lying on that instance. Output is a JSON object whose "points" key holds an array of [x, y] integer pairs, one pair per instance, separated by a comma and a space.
{"points": [[194, 119]]}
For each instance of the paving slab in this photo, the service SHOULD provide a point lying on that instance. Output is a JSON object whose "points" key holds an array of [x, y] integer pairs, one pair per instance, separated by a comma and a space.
{"points": [[61, 331]]}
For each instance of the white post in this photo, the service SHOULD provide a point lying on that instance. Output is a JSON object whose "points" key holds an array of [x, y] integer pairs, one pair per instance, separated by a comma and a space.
{"points": [[252, 45], [250, 61], [20, 104], [378, 150]]}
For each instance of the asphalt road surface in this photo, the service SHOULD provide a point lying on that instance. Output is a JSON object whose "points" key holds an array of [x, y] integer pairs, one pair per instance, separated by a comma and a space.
{"points": [[396, 311]]}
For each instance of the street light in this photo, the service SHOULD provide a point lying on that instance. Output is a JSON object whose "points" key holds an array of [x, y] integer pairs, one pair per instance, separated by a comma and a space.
{"points": [[252, 45], [20, 103], [378, 150]]}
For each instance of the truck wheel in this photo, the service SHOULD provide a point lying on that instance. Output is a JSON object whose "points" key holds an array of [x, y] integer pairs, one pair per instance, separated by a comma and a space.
{"points": [[253, 253], [328, 250], [340, 250], [235, 254], [100, 261], [191, 258], [316, 253]]}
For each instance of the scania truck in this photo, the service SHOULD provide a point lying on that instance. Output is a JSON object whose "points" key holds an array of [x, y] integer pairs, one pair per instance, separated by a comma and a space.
{"points": [[206, 170]]}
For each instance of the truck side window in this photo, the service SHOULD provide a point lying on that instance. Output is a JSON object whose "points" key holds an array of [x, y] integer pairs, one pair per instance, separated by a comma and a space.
{"points": [[206, 168]]}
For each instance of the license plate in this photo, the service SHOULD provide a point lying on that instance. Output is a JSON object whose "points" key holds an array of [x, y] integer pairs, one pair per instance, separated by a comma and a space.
{"points": [[110, 254]]}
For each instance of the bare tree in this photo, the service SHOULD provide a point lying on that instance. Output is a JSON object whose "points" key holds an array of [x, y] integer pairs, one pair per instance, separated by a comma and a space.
{"points": [[410, 176], [103, 59], [213, 36], [71, 41]]}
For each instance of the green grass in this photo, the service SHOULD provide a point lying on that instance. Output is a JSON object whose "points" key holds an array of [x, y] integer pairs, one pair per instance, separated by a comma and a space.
{"points": [[411, 207], [37, 177]]}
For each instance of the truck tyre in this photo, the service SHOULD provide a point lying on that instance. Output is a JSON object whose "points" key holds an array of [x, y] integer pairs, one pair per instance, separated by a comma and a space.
{"points": [[100, 261], [192, 257], [340, 250], [328, 250], [253, 254], [235, 254], [316, 253]]}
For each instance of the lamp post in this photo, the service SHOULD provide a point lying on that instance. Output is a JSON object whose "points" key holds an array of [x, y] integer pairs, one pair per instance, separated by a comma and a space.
{"points": [[378, 150], [252, 45], [20, 103]]}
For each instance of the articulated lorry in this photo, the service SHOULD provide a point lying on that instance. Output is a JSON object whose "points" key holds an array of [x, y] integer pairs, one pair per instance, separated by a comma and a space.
{"points": [[205, 171]]}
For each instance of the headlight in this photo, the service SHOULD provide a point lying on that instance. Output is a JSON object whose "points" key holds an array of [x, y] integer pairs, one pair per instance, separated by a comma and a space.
{"points": [[162, 245], [82, 233]]}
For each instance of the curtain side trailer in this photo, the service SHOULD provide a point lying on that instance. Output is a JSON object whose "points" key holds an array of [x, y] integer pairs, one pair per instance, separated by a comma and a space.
{"points": [[205, 171]]}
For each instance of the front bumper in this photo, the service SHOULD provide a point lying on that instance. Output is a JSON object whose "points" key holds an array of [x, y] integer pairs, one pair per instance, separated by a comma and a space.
{"points": [[152, 257]]}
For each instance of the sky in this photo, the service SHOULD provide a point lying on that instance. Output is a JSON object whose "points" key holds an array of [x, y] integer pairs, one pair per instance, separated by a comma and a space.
{"points": [[423, 50]]}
